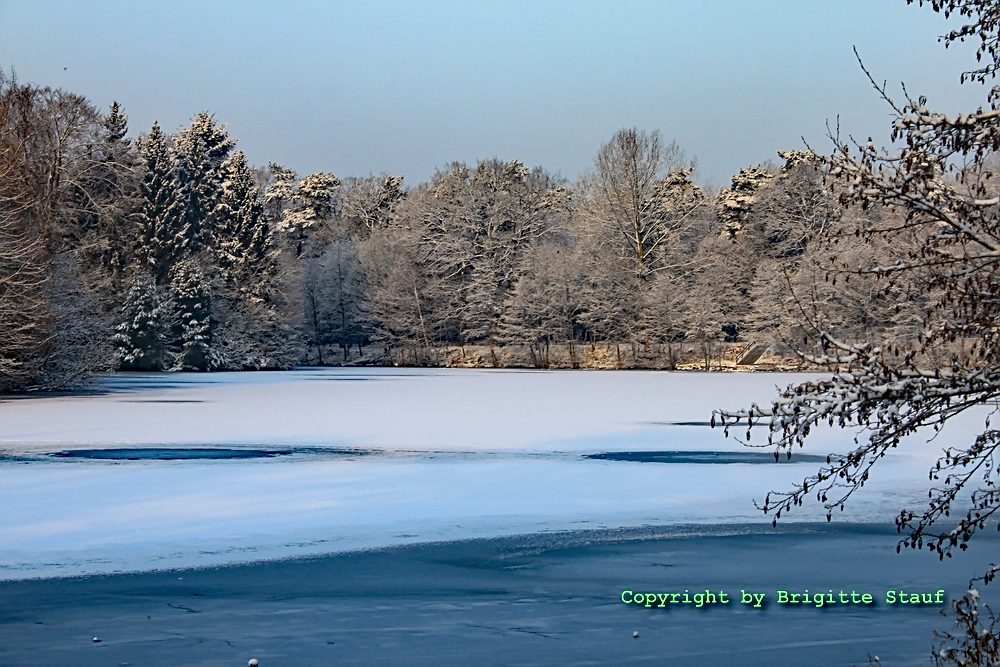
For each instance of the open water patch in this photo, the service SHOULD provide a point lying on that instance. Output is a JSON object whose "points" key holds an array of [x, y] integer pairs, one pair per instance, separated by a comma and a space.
{"points": [[169, 454], [175, 453], [704, 457]]}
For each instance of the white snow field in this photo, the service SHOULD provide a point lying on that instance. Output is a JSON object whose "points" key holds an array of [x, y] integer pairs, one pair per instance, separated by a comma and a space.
{"points": [[361, 458]]}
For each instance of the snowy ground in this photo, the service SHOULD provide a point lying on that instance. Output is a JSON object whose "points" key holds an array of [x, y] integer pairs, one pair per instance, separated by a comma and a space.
{"points": [[376, 457]]}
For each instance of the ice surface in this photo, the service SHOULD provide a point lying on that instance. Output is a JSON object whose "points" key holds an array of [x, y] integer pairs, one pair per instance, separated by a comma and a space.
{"points": [[388, 456]]}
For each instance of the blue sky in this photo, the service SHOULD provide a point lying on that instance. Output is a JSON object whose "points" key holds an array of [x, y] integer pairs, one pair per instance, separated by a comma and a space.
{"points": [[407, 87]]}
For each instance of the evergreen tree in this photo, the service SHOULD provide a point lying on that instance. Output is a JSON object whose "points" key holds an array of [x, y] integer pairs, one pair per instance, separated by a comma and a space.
{"points": [[164, 232], [241, 231], [141, 339], [116, 125], [117, 182], [280, 190], [313, 206], [192, 299], [201, 150]]}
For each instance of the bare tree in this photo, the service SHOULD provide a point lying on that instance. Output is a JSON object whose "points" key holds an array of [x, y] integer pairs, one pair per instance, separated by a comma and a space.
{"points": [[946, 231], [407, 299], [640, 191], [23, 308], [53, 170], [369, 203], [335, 297], [473, 228], [547, 302]]}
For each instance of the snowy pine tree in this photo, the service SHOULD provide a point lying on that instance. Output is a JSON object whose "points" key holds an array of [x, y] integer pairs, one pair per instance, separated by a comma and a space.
{"points": [[141, 339], [241, 231], [164, 232], [735, 203], [192, 299], [116, 125], [313, 205], [201, 150], [280, 190]]}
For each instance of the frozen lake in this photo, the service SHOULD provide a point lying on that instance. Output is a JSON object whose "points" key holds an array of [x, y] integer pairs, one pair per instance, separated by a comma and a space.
{"points": [[436, 517], [163, 471]]}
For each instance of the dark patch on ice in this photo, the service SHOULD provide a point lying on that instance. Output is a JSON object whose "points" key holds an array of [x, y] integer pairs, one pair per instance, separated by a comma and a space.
{"points": [[704, 457], [201, 453], [15, 458], [165, 454]]}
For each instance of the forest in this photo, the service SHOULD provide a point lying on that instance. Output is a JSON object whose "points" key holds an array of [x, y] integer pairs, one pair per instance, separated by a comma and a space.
{"points": [[171, 252]]}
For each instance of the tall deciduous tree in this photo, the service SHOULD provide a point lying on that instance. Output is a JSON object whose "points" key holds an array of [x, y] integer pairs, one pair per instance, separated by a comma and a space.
{"points": [[369, 203], [336, 300], [473, 228], [52, 206], [641, 192]]}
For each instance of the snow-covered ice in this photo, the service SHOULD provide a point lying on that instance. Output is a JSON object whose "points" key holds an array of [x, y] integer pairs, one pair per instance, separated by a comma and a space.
{"points": [[386, 456]]}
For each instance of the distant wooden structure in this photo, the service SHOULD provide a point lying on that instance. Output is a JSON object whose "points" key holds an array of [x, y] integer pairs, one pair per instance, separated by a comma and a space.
{"points": [[752, 355]]}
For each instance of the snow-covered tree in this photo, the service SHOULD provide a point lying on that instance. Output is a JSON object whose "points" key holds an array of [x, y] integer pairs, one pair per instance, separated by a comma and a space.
{"points": [[280, 190], [407, 300], [56, 208], [78, 343], [611, 295], [336, 302], [142, 338], [474, 227], [547, 302], [369, 203], [945, 224], [251, 335], [107, 201], [23, 309], [165, 235], [790, 209], [736, 202], [199, 153], [717, 299], [242, 237], [642, 195], [192, 304], [312, 206]]}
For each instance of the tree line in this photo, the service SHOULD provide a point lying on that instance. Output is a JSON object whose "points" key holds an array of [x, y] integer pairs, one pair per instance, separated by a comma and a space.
{"points": [[172, 252]]}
